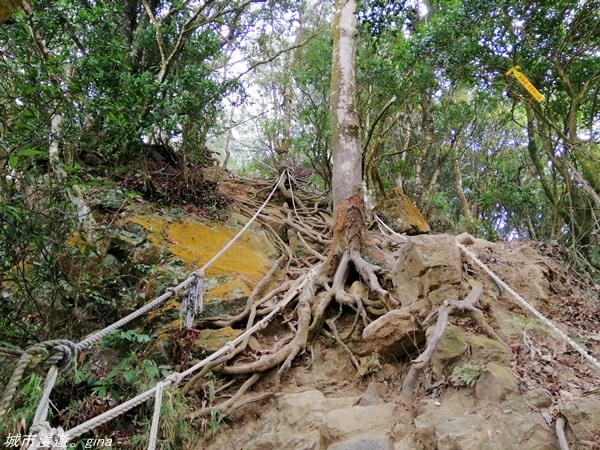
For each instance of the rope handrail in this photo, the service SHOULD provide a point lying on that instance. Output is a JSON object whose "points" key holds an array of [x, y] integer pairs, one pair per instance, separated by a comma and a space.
{"points": [[197, 274], [58, 353], [156, 416], [176, 377], [67, 350], [525, 304]]}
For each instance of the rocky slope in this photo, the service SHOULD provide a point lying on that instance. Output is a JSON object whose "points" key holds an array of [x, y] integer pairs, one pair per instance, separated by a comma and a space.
{"points": [[476, 394], [503, 390]]}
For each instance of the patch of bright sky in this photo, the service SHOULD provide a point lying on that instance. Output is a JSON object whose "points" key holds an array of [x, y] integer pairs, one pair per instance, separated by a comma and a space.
{"points": [[244, 142]]}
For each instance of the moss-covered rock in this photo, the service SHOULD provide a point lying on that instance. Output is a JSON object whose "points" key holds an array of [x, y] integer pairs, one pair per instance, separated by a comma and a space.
{"points": [[194, 243], [398, 211], [209, 341], [496, 384], [451, 347], [484, 350]]}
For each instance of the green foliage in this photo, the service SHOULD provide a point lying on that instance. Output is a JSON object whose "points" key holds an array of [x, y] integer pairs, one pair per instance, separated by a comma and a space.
{"points": [[26, 402], [51, 278], [310, 127], [215, 419], [113, 99], [133, 374], [130, 375], [120, 337], [379, 16], [33, 231], [466, 374], [175, 432]]}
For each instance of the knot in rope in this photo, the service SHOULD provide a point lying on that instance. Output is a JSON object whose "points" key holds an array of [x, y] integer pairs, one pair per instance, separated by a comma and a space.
{"points": [[41, 427], [46, 437], [174, 379], [36, 353], [172, 290], [58, 353], [62, 352], [198, 273]]}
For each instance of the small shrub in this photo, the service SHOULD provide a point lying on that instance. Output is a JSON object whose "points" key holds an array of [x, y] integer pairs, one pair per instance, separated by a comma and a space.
{"points": [[465, 375]]}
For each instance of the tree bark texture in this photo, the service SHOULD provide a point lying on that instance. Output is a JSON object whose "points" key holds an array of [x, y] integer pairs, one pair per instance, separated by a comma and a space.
{"points": [[347, 149]]}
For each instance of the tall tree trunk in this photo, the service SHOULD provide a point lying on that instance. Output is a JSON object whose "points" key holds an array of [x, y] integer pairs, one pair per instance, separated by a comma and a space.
{"points": [[428, 131], [347, 149], [351, 237], [458, 185], [288, 97]]}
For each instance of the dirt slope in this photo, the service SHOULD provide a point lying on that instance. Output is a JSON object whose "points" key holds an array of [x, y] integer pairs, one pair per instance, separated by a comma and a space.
{"points": [[475, 394], [499, 381]]}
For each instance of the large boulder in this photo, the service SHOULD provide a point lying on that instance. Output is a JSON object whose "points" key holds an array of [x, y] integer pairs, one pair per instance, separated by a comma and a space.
{"points": [[398, 211], [495, 384], [341, 424], [394, 335], [428, 267], [455, 422], [194, 242]]}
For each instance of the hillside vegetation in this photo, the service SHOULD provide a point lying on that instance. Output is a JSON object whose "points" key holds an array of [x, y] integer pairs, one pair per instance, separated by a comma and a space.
{"points": [[381, 141]]}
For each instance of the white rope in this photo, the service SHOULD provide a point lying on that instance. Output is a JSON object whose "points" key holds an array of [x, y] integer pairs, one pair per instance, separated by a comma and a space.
{"points": [[156, 416], [92, 339], [389, 229], [531, 308], [173, 290], [41, 412], [224, 249], [258, 326], [40, 427], [176, 377], [193, 305]]}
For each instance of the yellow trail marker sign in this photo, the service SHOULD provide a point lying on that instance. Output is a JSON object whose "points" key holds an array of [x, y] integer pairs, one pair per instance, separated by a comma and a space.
{"points": [[526, 83]]}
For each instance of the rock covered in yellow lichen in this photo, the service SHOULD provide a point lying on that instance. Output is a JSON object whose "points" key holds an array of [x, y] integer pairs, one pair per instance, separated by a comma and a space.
{"points": [[194, 242], [398, 211]]}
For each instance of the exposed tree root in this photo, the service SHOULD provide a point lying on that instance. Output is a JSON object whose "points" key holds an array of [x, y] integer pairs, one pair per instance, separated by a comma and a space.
{"points": [[351, 254], [560, 433], [285, 355], [442, 313], [310, 249], [354, 255], [225, 407], [229, 321], [334, 335]]}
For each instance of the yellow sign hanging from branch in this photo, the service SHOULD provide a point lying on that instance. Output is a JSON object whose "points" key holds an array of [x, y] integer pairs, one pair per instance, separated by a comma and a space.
{"points": [[526, 83]]}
